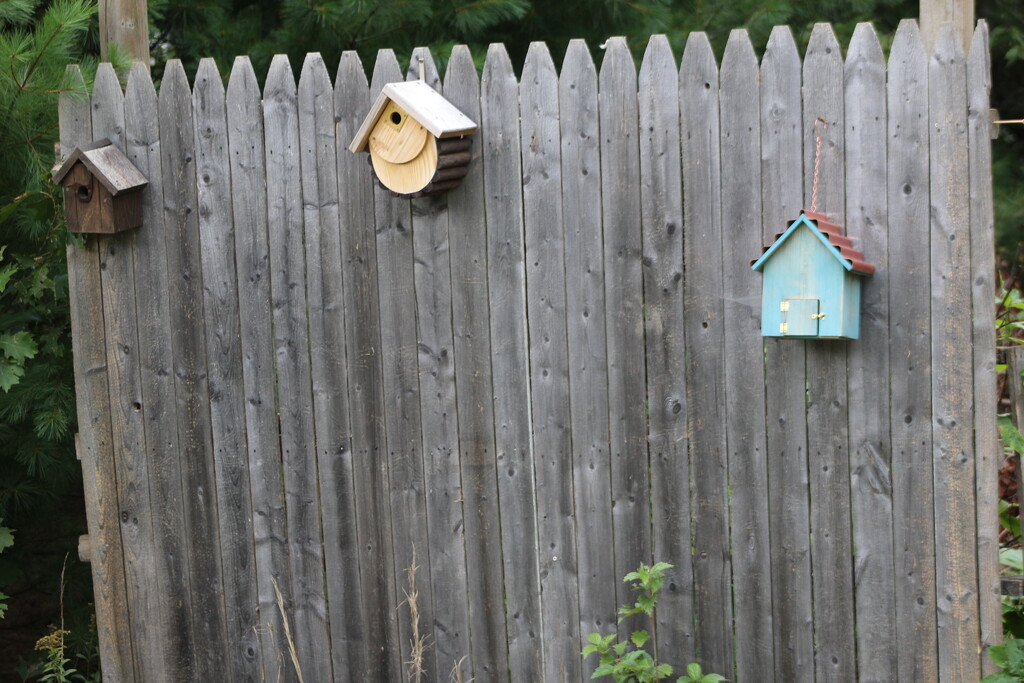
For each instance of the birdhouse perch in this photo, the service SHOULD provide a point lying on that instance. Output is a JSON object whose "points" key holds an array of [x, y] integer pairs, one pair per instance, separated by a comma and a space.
{"points": [[417, 140], [101, 189]]}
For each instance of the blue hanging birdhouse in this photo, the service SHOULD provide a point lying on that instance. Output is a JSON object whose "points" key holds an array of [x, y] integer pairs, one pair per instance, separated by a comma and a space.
{"points": [[812, 278]]}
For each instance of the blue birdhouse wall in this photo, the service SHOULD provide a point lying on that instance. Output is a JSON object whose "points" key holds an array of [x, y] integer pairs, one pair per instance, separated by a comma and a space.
{"points": [[812, 278]]}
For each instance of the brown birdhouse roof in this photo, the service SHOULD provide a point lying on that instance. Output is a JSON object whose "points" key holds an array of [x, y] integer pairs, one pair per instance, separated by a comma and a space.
{"points": [[851, 259], [422, 103], [108, 164]]}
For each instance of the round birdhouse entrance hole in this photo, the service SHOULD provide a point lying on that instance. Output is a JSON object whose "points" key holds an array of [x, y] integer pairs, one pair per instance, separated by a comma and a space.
{"points": [[84, 193], [396, 118]]}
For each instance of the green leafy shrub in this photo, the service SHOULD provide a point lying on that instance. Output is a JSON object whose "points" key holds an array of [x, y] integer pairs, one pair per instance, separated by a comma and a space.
{"points": [[1010, 658]]}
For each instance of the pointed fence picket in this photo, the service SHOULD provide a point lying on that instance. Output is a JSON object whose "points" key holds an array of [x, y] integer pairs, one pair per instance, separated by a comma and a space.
{"points": [[298, 393]]}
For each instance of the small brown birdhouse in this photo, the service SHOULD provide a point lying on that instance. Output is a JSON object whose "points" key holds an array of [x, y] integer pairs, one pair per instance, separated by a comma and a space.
{"points": [[418, 141], [101, 189]]}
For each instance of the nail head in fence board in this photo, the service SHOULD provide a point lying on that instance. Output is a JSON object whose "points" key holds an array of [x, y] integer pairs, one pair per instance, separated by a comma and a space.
{"points": [[620, 196], [740, 133], [661, 212], [188, 343], [159, 409], [955, 521], [585, 316], [224, 368], [910, 356], [448, 632], [362, 330], [93, 406], [326, 298], [785, 372], [471, 326], [868, 360], [148, 618], [252, 260], [827, 418], [401, 382], [499, 102], [986, 445], [294, 382], [549, 364], [705, 337]]}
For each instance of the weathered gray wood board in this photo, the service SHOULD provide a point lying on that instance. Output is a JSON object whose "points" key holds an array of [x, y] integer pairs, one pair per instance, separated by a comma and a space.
{"points": [[910, 356], [295, 386]]}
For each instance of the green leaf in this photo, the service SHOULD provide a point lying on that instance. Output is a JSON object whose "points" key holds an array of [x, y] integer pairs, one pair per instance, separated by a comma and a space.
{"points": [[646, 603], [10, 375], [1010, 435], [1012, 558], [603, 670], [1000, 677], [589, 650], [619, 648], [594, 638], [18, 346], [640, 637], [712, 678], [6, 538], [663, 671], [694, 671]]}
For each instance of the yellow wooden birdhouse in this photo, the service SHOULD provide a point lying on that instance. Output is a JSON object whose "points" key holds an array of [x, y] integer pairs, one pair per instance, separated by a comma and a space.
{"points": [[418, 141]]}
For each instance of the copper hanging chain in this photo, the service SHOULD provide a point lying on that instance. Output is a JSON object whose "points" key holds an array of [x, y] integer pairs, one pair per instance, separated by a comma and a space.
{"points": [[817, 161]]}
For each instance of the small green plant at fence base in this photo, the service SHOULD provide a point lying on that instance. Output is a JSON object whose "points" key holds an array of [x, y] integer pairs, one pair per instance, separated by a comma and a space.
{"points": [[1010, 658], [629, 662]]}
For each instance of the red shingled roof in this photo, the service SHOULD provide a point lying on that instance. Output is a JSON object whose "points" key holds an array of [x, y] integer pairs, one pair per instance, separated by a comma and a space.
{"points": [[835, 237]]}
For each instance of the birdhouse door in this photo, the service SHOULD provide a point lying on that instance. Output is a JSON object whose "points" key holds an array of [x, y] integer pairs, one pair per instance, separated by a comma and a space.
{"points": [[800, 317]]}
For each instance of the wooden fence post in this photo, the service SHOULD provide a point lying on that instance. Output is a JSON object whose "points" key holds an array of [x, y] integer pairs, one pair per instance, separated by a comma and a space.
{"points": [[126, 23], [935, 13]]}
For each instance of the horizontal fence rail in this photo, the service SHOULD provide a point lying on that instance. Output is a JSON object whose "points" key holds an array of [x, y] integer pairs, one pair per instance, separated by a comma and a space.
{"points": [[334, 434]]}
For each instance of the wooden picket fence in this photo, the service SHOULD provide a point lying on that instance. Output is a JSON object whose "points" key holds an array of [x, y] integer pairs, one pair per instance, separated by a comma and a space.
{"points": [[319, 424]]}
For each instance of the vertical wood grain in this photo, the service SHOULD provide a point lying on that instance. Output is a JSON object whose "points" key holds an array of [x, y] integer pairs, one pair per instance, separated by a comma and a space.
{"points": [[739, 102], [488, 656], [782, 191], [952, 379], [506, 276]]}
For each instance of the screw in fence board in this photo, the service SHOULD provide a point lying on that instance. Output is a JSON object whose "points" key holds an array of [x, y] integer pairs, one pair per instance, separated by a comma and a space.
{"points": [[744, 348], [224, 372], [910, 355], [94, 417], [549, 364], [474, 389], [499, 102], [449, 639], [375, 659], [585, 311], [785, 371]]}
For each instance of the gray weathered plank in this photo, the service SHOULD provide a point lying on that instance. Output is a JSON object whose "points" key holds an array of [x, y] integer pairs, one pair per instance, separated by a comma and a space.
{"points": [[827, 416], [488, 656], [585, 321], [325, 298], [449, 633], [986, 444], [252, 260], [94, 441], [744, 358], [952, 379], [705, 360], [159, 631], [785, 371], [362, 340], [184, 289], [224, 372], [910, 377], [399, 348], [506, 276], [620, 173], [661, 206], [868, 360], [549, 364], [308, 609]]}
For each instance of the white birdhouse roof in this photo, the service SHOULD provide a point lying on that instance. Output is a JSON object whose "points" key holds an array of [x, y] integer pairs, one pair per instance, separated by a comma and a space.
{"points": [[108, 164], [422, 103]]}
